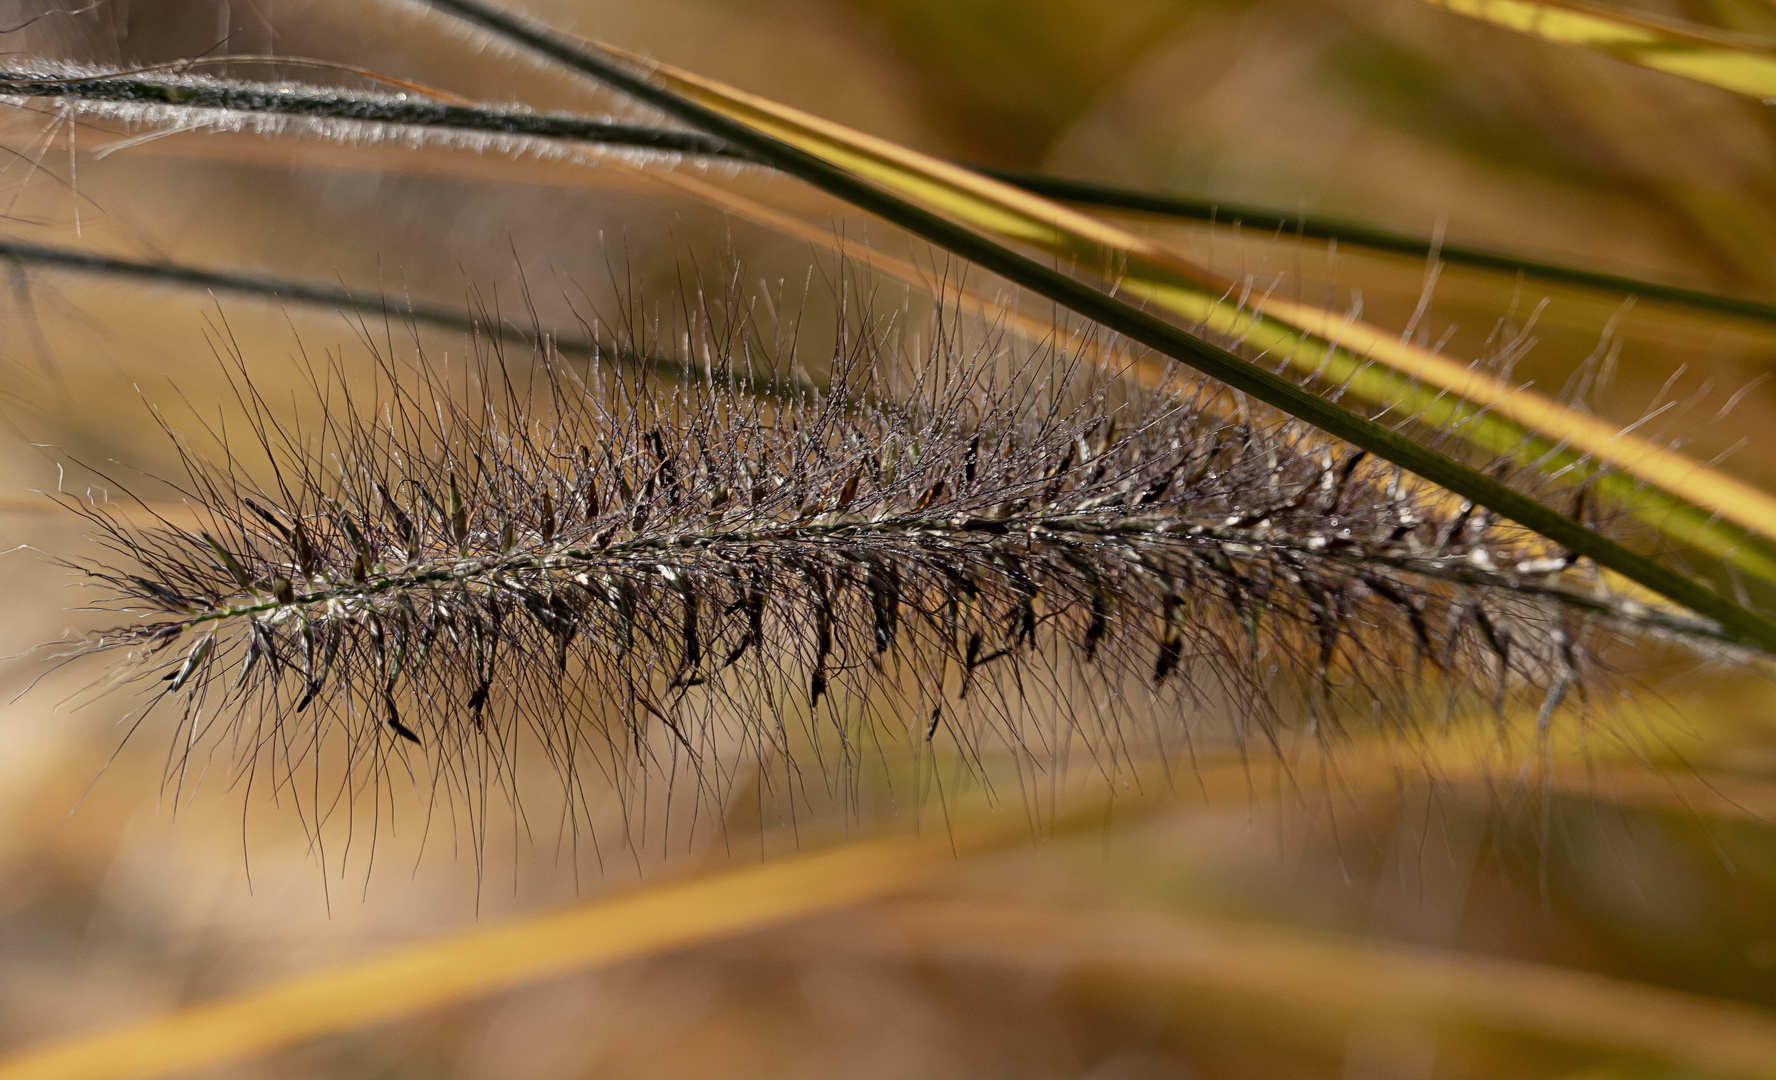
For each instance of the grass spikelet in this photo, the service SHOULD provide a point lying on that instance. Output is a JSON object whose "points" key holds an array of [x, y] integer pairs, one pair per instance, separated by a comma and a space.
{"points": [[979, 554]]}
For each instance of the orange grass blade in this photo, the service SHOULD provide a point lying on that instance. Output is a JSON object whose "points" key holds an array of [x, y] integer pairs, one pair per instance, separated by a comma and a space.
{"points": [[458, 967], [435, 973]]}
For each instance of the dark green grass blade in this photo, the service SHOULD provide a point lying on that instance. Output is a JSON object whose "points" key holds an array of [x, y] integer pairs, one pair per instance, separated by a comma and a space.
{"points": [[148, 89], [20, 253], [1744, 625], [1089, 193], [334, 105], [372, 304]]}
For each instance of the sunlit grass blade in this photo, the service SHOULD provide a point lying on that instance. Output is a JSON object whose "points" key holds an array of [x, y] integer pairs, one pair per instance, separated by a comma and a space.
{"points": [[1367, 363], [1730, 62], [1717, 516], [195, 100], [1027, 213], [410, 980], [1289, 969], [1089, 193], [722, 905], [414, 979], [1372, 365]]}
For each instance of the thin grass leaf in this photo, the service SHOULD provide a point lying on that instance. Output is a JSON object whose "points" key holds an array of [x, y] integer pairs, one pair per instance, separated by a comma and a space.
{"points": [[141, 93], [375, 305], [1370, 364], [1091, 193], [961, 297], [460, 967], [333, 297], [1318, 974], [1716, 515], [1742, 65], [186, 93], [836, 179]]}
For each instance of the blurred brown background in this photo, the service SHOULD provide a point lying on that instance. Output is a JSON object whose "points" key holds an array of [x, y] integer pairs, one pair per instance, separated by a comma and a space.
{"points": [[124, 898]]}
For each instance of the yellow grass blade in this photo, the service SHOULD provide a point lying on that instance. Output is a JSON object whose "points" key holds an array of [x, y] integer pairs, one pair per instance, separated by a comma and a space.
{"points": [[681, 914], [1143, 369], [452, 968], [1670, 491], [479, 962], [1724, 60], [456, 967], [1320, 974]]}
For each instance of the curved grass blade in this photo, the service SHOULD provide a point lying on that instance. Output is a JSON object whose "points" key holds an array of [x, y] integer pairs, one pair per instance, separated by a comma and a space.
{"points": [[1752, 629], [1742, 65], [411, 980], [435, 973], [1374, 366], [1716, 515], [1110, 197], [1316, 974], [459, 967], [186, 92]]}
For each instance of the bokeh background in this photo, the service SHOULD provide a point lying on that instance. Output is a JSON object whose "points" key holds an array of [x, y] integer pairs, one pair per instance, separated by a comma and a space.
{"points": [[1400, 911]]}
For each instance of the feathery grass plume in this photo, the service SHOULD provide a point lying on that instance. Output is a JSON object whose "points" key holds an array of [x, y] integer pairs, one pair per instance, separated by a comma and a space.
{"points": [[1696, 508], [969, 551]]}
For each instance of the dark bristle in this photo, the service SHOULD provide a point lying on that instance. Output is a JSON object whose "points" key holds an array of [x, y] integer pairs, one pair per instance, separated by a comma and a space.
{"points": [[596, 554]]}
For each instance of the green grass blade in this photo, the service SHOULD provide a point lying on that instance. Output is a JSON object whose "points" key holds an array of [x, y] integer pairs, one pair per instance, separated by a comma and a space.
{"points": [[1403, 378], [1092, 194], [1488, 416], [1752, 629], [1715, 516], [358, 108]]}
